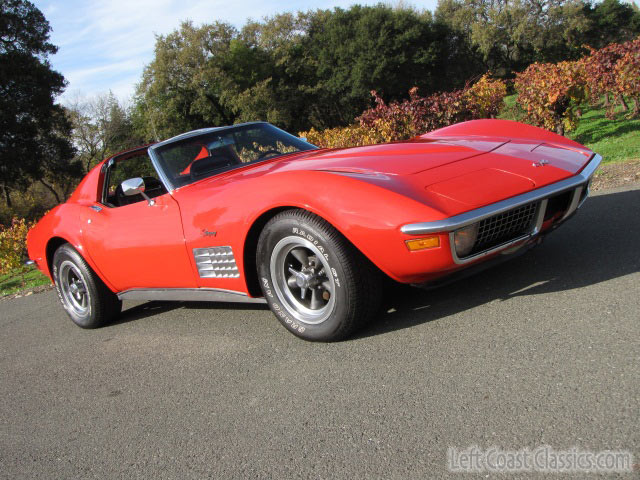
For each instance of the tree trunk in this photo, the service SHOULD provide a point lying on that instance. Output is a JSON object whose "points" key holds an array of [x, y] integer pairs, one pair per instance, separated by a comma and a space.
{"points": [[625, 107], [606, 100], [67, 189], [51, 189], [153, 127], [7, 197], [216, 104], [560, 128]]}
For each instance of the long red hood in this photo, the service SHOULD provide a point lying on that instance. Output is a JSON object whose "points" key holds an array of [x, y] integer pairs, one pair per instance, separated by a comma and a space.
{"points": [[451, 173], [419, 155]]}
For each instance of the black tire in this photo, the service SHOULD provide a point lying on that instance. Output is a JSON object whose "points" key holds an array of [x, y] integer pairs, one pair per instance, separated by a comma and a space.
{"points": [[85, 298], [341, 286]]}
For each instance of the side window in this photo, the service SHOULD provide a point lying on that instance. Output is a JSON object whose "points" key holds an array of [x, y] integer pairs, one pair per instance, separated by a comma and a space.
{"points": [[126, 167]]}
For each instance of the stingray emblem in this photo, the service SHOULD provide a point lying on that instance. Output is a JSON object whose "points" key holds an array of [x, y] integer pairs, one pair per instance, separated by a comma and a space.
{"points": [[541, 163]]}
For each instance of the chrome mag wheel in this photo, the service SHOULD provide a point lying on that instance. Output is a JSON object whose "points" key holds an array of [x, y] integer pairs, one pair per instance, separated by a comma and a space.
{"points": [[302, 280], [74, 289]]}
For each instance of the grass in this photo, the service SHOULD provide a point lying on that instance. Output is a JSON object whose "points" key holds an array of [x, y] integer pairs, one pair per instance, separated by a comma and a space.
{"points": [[21, 279], [616, 140]]}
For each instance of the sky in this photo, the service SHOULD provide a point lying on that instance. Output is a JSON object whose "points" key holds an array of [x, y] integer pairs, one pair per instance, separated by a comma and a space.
{"points": [[105, 44]]}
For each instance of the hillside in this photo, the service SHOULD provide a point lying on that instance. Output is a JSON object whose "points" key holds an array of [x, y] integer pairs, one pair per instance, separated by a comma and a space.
{"points": [[616, 140]]}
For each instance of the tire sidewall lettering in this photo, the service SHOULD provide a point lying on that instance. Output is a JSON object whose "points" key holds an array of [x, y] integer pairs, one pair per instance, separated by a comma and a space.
{"points": [[56, 282], [295, 225], [279, 310], [304, 233]]}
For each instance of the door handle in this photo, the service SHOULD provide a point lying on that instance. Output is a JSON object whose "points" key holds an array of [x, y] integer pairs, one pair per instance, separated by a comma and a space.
{"points": [[96, 208]]}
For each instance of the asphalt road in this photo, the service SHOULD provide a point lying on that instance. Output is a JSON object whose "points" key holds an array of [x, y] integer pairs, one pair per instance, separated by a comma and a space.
{"points": [[542, 350]]}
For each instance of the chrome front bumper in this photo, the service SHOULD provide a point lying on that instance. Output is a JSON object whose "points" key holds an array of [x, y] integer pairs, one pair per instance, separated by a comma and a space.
{"points": [[578, 183]]}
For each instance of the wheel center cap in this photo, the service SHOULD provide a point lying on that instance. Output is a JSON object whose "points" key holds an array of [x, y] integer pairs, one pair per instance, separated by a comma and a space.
{"points": [[303, 280]]}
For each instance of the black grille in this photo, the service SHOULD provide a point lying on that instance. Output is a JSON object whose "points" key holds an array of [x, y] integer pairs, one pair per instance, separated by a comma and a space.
{"points": [[558, 205], [501, 228]]}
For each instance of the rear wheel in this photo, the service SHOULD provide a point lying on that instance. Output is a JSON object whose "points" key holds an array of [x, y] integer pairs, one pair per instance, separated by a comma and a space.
{"points": [[86, 299], [316, 283]]}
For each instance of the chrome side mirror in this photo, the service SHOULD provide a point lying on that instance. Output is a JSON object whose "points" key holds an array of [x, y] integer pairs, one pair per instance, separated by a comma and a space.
{"points": [[132, 186], [135, 186]]}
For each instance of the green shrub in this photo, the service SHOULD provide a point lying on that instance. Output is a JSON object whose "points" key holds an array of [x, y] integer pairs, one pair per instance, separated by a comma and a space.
{"points": [[13, 246]]}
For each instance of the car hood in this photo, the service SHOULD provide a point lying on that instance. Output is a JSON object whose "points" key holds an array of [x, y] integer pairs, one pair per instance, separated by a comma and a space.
{"points": [[453, 174], [402, 158], [420, 155]]}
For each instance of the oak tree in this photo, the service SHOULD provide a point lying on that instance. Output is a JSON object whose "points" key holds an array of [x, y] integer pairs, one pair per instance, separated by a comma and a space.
{"points": [[34, 130]]}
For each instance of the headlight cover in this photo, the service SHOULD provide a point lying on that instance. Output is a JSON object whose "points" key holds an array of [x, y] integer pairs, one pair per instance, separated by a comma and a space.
{"points": [[465, 238]]}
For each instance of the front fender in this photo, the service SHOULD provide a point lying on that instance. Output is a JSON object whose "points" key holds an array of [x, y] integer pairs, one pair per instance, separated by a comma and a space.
{"points": [[368, 215]]}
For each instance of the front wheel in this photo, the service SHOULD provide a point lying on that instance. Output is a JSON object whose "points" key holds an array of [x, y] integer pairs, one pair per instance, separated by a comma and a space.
{"points": [[316, 283], [86, 299]]}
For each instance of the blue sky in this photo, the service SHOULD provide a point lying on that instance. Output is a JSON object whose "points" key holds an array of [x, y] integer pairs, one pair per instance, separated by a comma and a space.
{"points": [[104, 44]]}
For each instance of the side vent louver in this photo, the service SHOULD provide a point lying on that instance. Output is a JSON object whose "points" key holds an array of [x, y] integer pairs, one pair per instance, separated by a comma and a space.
{"points": [[216, 262]]}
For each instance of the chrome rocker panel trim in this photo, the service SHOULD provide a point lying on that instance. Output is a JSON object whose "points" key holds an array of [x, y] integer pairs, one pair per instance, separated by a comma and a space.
{"points": [[467, 218], [188, 295]]}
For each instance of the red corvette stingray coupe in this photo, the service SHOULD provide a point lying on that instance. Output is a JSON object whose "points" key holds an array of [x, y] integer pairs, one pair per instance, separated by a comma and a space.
{"points": [[250, 213]]}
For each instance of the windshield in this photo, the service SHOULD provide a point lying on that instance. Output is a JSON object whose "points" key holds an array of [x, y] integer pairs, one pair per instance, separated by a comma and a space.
{"points": [[193, 158]]}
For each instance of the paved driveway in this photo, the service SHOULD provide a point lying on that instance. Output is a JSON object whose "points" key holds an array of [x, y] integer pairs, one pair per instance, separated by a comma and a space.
{"points": [[542, 350]]}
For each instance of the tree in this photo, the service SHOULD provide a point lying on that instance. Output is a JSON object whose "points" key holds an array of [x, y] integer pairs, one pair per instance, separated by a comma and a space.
{"points": [[355, 51], [101, 127], [313, 68], [33, 129], [511, 34], [182, 87], [215, 75], [612, 21]]}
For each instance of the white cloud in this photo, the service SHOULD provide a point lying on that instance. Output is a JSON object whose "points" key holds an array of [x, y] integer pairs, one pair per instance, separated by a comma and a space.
{"points": [[105, 44]]}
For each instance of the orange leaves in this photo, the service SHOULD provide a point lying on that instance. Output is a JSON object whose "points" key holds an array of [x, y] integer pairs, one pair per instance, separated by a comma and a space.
{"points": [[415, 116], [627, 71], [601, 66], [546, 92], [13, 244], [484, 98], [551, 93], [340, 137]]}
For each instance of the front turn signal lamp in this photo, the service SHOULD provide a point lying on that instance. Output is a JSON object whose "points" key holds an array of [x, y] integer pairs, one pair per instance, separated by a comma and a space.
{"points": [[423, 243]]}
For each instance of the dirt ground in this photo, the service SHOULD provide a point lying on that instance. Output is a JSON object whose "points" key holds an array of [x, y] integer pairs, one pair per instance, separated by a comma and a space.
{"points": [[612, 175]]}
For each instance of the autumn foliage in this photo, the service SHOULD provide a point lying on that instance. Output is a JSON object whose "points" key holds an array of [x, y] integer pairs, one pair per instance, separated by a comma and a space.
{"points": [[13, 244], [551, 93], [415, 115], [613, 71], [627, 72]]}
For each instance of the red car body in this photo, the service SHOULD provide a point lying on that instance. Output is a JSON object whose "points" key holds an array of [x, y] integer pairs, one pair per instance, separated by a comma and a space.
{"points": [[377, 196]]}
